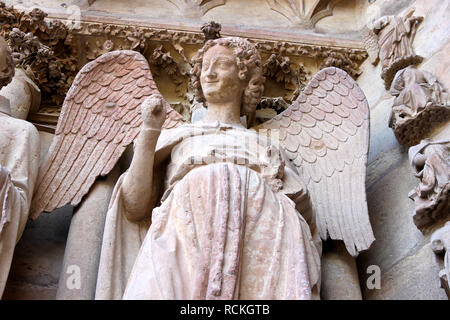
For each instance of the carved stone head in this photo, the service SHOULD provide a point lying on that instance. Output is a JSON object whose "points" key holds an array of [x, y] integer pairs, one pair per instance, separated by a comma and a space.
{"points": [[246, 70], [6, 64]]}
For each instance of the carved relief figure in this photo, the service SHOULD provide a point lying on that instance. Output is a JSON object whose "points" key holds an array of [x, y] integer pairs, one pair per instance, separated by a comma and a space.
{"points": [[394, 35], [19, 163], [420, 99], [213, 209], [440, 244], [430, 161]]}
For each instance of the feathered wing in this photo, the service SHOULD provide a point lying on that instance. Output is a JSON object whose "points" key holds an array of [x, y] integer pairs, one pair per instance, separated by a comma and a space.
{"points": [[370, 41], [100, 116], [325, 134]]}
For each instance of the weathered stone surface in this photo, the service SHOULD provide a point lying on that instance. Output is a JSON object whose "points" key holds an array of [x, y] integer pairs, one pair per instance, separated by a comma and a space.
{"points": [[340, 279], [437, 24], [382, 139], [415, 277], [390, 214]]}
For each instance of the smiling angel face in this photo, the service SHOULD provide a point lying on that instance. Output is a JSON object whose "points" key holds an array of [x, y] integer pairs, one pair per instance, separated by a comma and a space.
{"points": [[220, 76], [226, 69]]}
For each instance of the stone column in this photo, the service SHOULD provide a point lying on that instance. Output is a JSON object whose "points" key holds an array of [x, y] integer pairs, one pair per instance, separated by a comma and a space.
{"points": [[340, 279], [82, 255]]}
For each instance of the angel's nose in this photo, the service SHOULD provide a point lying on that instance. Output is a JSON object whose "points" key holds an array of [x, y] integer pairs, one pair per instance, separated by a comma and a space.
{"points": [[210, 72]]}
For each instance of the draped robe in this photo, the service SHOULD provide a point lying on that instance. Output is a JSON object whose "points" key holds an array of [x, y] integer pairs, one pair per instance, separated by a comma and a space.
{"points": [[226, 226], [19, 164]]}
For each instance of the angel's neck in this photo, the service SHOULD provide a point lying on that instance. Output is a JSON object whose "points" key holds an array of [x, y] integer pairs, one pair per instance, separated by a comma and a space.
{"points": [[223, 112]]}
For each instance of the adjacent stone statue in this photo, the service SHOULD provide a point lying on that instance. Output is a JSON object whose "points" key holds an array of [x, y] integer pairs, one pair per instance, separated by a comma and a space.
{"points": [[420, 99], [23, 94], [430, 161], [19, 163], [392, 36], [440, 244], [213, 209]]}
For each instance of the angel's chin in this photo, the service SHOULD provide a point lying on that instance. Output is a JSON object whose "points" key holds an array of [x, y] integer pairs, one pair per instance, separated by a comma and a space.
{"points": [[211, 94]]}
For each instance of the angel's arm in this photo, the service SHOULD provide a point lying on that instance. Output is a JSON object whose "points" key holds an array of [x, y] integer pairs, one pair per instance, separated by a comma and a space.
{"points": [[137, 184]]}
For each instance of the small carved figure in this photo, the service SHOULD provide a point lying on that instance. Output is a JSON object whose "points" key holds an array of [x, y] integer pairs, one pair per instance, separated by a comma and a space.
{"points": [[19, 163], [214, 209], [394, 36], [440, 244], [430, 161], [420, 99]]}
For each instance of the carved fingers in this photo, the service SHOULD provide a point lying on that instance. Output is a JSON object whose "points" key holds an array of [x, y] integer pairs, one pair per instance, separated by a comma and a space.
{"points": [[153, 112]]}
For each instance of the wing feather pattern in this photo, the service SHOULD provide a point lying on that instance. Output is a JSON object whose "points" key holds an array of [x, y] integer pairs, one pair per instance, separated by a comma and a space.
{"points": [[326, 136], [99, 118]]}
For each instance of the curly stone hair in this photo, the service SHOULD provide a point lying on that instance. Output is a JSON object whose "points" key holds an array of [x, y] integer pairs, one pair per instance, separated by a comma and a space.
{"points": [[249, 65], [6, 75]]}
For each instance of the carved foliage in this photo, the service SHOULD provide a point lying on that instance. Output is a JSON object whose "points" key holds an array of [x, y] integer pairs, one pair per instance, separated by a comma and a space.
{"points": [[280, 69], [420, 100], [343, 60], [93, 39], [163, 60], [431, 164], [211, 30], [42, 46]]}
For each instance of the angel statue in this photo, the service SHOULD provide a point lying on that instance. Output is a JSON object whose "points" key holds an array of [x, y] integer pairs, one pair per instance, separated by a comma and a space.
{"points": [[215, 209], [19, 163]]}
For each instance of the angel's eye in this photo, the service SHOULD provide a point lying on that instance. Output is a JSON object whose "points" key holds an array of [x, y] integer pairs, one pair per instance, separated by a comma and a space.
{"points": [[224, 62]]}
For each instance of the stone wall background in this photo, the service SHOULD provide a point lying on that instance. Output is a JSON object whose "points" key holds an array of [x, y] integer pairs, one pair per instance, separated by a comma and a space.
{"points": [[408, 266]]}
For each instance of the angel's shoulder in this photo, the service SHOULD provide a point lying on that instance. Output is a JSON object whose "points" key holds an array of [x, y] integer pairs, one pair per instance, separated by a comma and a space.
{"points": [[19, 126]]}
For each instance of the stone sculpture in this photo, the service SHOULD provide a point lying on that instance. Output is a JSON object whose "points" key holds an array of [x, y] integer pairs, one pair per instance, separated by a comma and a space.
{"points": [[420, 99], [391, 39], [23, 94], [19, 163], [430, 161], [227, 212], [440, 244]]}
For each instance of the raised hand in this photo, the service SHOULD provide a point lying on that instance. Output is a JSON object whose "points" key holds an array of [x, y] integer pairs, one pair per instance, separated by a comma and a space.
{"points": [[153, 112]]}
